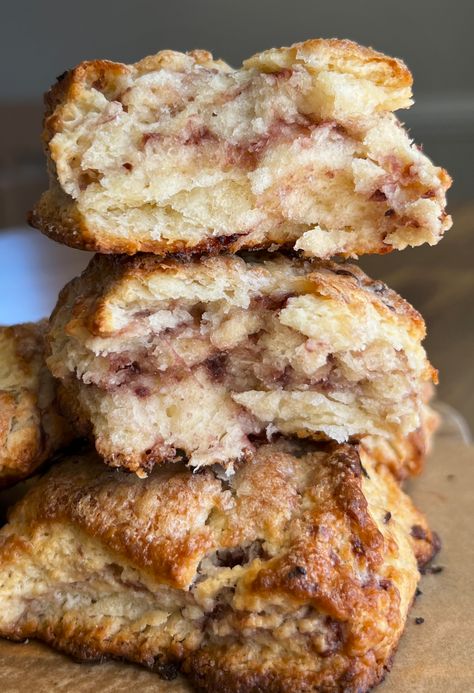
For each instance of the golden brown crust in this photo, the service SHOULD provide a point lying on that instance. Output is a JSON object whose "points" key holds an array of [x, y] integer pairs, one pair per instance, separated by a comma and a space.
{"points": [[31, 427], [291, 575], [65, 224], [336, 54], [62, 221], [107, 281], [341, 55], [103, 74]]}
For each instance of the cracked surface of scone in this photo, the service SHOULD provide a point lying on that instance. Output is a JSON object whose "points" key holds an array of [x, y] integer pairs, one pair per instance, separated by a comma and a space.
{"points": [[160, 357], [31, 427], [181, 153], [297, 574]]}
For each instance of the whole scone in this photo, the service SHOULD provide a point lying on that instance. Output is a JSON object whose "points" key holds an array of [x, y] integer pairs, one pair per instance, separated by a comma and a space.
{"points": [[297, 148], [31, 426], [163, 358], [297, 574]]}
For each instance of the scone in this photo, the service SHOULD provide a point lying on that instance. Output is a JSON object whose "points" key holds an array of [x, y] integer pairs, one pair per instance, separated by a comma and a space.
{"points": [[405, 456], [162, 358], [31, 427], [297, 148], [297, 574]]}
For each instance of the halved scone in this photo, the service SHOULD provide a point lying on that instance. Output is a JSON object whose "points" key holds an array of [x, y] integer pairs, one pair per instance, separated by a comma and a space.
{"points": [[31, 426], [161, 358], [297, 148], [296, 574]]}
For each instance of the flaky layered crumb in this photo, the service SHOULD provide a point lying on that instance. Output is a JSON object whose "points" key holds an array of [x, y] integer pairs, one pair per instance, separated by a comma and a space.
{"points": [[405, 456], [297, 574], [31, 427], [158, 358], [297, 148]]}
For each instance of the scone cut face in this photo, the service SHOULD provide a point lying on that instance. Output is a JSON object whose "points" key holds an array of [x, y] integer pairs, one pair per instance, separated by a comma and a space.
{"points": [[405, 456], [296, 574], [181, 153], [163, 359], [31, 426]]}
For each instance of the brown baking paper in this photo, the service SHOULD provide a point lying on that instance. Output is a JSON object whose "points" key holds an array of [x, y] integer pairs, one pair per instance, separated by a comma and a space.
{"points": [[435, 656]]}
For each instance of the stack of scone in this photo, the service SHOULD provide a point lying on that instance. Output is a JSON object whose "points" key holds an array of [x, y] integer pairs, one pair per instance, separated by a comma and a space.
{"points": [[253, 405]]}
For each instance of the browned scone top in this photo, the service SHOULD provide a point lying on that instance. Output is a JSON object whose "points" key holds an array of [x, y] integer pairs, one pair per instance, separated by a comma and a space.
{"points": [[297, 574], [111, 286], [31, 427], [163, 357], [181, 153]]}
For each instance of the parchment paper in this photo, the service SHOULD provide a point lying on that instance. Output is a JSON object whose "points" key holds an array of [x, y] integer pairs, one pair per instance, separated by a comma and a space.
{"points": [[436, 656]]}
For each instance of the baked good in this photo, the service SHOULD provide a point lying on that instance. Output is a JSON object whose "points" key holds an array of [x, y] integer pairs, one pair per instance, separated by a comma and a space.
{"points": [[31, 427], [160, 358], [295, 574], [405, 456], [181, 153]]}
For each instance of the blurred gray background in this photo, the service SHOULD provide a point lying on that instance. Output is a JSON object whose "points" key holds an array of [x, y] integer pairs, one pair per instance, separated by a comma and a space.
{"points": [[40, 39]]}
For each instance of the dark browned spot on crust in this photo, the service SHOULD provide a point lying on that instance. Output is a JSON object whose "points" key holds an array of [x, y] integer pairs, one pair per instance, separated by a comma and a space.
{"points": [[346, 272], [99, 83], [167, 671], [424, 561], [378, 196], [357, 546], [378, 287], [418, 532], [387, 517], [297, 571]]}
